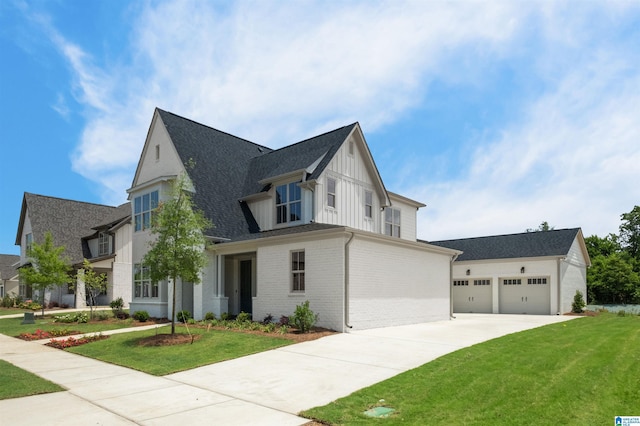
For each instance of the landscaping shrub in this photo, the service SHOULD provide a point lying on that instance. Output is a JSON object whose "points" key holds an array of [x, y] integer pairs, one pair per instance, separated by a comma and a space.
{"points": [[122, 315], [284, 320], [117, 306], [267, 319], [102, 316], [622, 313], [79, 317], [578, 303], [225, 316], [209, 316], [142, 316], [7, 301], [53, 304], [243, 317], [303, 317], [183, 316], [29, 304]]}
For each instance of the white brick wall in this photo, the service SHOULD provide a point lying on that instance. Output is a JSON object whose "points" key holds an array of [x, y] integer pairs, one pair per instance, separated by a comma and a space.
{"points": [[393, 284], [324, 263]]}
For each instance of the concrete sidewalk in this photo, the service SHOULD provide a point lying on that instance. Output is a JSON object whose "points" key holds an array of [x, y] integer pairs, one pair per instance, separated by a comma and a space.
{"points": [[268, 388]]}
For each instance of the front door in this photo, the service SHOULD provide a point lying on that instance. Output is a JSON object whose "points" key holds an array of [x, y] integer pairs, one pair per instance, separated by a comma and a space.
{"points": [[245, 286]]}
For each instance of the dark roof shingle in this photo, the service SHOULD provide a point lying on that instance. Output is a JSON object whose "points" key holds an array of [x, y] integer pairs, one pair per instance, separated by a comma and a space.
{"points": [[528, 244], [7, 268]]}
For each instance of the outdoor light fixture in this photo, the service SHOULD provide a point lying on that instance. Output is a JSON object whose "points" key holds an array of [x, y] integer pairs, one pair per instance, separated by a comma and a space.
{"points": [[522, 270], [468, 271]]}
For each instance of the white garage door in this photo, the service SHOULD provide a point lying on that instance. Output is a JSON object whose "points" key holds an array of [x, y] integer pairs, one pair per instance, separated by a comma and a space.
{"points": [[472, 296], [524, 296]]}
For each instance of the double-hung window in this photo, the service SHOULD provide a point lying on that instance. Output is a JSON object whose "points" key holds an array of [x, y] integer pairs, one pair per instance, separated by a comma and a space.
{"points": [[368, 204], [143, 207], [103, 243], [143, 287], [392, 222], [331, 192], [297, 271], [288, 203]]}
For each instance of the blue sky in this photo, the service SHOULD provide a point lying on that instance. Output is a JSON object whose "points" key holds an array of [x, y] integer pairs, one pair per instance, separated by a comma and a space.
{"points": [[497, 115]]}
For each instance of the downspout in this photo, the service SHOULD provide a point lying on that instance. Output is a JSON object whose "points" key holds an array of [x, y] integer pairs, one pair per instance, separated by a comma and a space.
{"points": [[560, 259], [453, 259], [346, 281]]}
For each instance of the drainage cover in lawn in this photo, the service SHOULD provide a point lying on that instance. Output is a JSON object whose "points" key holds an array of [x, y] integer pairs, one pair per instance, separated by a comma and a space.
{"points": [[379, 412]]}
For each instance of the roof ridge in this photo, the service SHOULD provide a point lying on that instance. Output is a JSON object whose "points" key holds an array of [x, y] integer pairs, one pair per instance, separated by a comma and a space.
{"points": [[509, 235], [213, 128], [312, 137], [73, 201]]}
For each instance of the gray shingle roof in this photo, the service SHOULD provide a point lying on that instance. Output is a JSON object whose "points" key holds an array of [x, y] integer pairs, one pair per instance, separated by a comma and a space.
{"points": [[67, 220], [228, 168], [7, 270], [294, 157], [528, 244]]}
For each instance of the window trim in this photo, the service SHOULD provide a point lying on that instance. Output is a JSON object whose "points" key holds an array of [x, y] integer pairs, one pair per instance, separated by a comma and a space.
{"points": [[283, 209], [142, 215], [297, 272], [331, 195], [104, 243], [391, 228], [368, 204], [143, 287]]}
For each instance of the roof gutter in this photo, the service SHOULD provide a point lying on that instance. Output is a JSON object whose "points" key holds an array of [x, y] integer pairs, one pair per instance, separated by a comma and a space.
{"points": [[346, 281]]}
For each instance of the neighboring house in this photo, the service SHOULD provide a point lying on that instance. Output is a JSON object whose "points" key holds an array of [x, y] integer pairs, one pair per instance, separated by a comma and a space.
{"points": [[528, 273], [99, 233], [9, 283], [310, 221]]}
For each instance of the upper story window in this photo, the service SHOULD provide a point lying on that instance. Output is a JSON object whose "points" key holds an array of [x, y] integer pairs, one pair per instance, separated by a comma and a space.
{"points": [[288, 203], [331, 192], [392, 222], [368, 204], [28, 239], [103, 243], [142, 209]]}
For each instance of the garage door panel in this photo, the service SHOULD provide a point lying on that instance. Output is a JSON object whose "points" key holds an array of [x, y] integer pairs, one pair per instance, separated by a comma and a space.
{"points": [[525, 296], [472, 296]]}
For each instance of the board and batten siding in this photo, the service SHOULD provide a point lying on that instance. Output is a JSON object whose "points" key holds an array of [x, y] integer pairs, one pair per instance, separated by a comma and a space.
{"points": [[324, 280], [396, 284], [573, 273], [353, 177], [408, 218]]}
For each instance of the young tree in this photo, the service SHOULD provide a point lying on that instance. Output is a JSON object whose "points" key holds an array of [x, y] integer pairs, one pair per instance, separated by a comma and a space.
{"points": [[94, 283], [48, 267], [179, 248]]}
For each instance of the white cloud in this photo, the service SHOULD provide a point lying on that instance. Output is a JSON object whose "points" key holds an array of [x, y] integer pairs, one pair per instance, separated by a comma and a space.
{"points": [[273, 72], [573, 161]]}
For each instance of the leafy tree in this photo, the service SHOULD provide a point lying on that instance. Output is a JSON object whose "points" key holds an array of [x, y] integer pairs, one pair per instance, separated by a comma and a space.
{"points": [[630, 232], [94, 283], [178, 250], [48, 268], [544, 226], [612, 279], [606, 246]]}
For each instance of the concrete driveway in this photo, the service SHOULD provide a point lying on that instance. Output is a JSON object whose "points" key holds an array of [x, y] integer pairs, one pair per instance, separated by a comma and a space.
{"points": [[268, 388]]}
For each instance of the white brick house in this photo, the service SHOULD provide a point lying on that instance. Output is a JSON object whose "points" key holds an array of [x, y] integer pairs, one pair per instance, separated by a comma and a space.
{"points": [[310, 221]]}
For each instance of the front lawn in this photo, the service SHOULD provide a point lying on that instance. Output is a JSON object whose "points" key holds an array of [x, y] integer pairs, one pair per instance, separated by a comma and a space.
{"points": [[584, 371], [16, 382], [212, 346]]}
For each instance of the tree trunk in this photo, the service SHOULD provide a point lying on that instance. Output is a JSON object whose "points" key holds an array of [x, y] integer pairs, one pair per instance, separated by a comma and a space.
{"points": [[173, 307]]}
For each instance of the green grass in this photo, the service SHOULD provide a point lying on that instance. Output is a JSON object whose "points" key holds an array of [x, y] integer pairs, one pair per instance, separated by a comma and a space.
{"points": [[585, 371], [16, 382], [213, 346], [12, 326], [13, 311]]}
